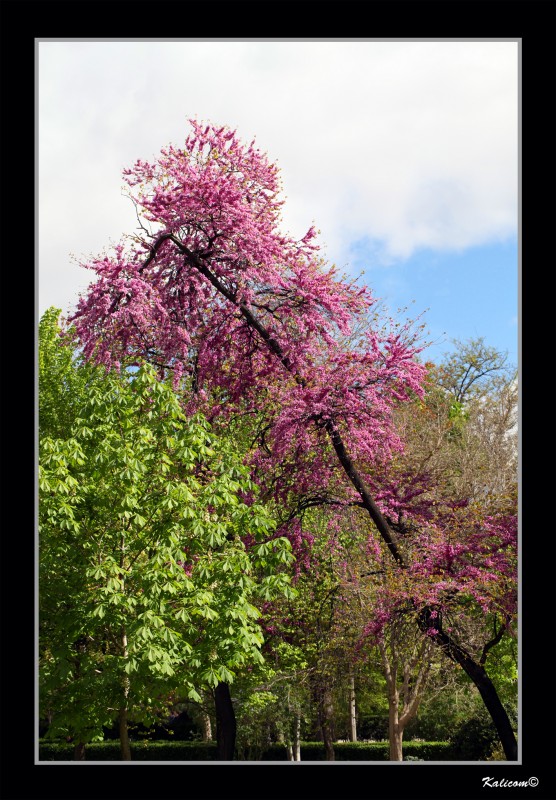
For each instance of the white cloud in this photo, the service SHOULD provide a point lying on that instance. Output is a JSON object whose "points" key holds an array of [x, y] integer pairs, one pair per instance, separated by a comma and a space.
{"points": [[404, 144]]}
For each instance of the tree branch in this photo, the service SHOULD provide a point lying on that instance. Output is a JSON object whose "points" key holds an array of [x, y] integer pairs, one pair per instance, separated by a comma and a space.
{"points": [[490, 644]]}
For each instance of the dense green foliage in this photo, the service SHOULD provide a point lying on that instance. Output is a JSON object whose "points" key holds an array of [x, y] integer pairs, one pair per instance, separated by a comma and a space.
{"points": [[147, 590], [475, 739]]}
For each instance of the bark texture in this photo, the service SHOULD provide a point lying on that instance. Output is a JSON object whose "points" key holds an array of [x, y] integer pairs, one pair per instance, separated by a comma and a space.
{"points": [[79, 752], [325, 720], [352, 710], [125, 748]]}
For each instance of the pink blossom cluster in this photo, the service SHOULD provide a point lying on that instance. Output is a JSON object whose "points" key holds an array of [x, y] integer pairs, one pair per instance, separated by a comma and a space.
{"points": [[477, 559], [454, 559], [185, 295]]}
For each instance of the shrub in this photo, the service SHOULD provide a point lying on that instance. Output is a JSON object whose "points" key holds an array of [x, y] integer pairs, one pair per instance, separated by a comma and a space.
{"points": [[207, 751], [140, 751], [474, 739], [364, 751]]}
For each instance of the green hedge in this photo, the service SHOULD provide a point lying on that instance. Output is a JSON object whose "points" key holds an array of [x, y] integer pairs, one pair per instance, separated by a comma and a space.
{"points": [[206, 751], [140, 751], [375, 751]]}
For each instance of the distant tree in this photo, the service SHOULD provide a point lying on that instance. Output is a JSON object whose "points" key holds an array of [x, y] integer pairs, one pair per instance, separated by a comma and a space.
{"points": [[473, 369], [406, 660]]}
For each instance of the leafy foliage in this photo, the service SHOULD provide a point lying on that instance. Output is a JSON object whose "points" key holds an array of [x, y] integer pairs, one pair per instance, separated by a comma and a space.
{"points": [[474, 739], [146, 584]]}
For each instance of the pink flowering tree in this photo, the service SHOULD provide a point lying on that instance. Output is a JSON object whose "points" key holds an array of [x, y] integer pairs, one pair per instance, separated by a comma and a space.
{"points": [[460, 588], [211, 289]]}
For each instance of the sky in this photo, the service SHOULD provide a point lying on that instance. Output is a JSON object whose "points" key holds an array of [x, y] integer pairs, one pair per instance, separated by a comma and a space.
{"points": [[403, 154]]}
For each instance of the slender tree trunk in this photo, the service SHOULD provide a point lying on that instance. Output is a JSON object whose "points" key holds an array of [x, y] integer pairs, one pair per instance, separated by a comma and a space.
{"points": [[79, 752], [207, 727], [281, 739], [325, 719], [395, 733], [79, 748], [352, 716], [225, 723], [412, 667], [395, 730], [125, 748], [297, 739], [473, 670]]}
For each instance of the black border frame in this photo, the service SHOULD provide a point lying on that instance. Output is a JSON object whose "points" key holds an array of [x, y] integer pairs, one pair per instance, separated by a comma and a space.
{"points": [[531, 21]]}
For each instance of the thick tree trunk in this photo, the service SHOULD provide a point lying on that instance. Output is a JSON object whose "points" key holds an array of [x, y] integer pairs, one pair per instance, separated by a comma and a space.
{"points": [[352, 717], [478, 675], [79, 752], [225, 723], [396, 726], [496, 710], [125, 748], [328, 745], [395, 736], [493, 705]]}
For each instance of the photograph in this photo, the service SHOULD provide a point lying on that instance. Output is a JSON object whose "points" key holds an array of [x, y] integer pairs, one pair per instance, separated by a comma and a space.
{"points": [[282, 506]]}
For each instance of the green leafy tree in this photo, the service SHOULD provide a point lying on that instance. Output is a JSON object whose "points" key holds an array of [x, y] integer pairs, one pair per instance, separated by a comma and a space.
{"points": [[146, 586], [62, 387], [271, 702]]}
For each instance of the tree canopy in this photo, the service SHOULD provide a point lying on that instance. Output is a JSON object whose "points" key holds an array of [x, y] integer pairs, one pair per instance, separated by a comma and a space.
{"points": [[256, 333], [146, 584]]}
